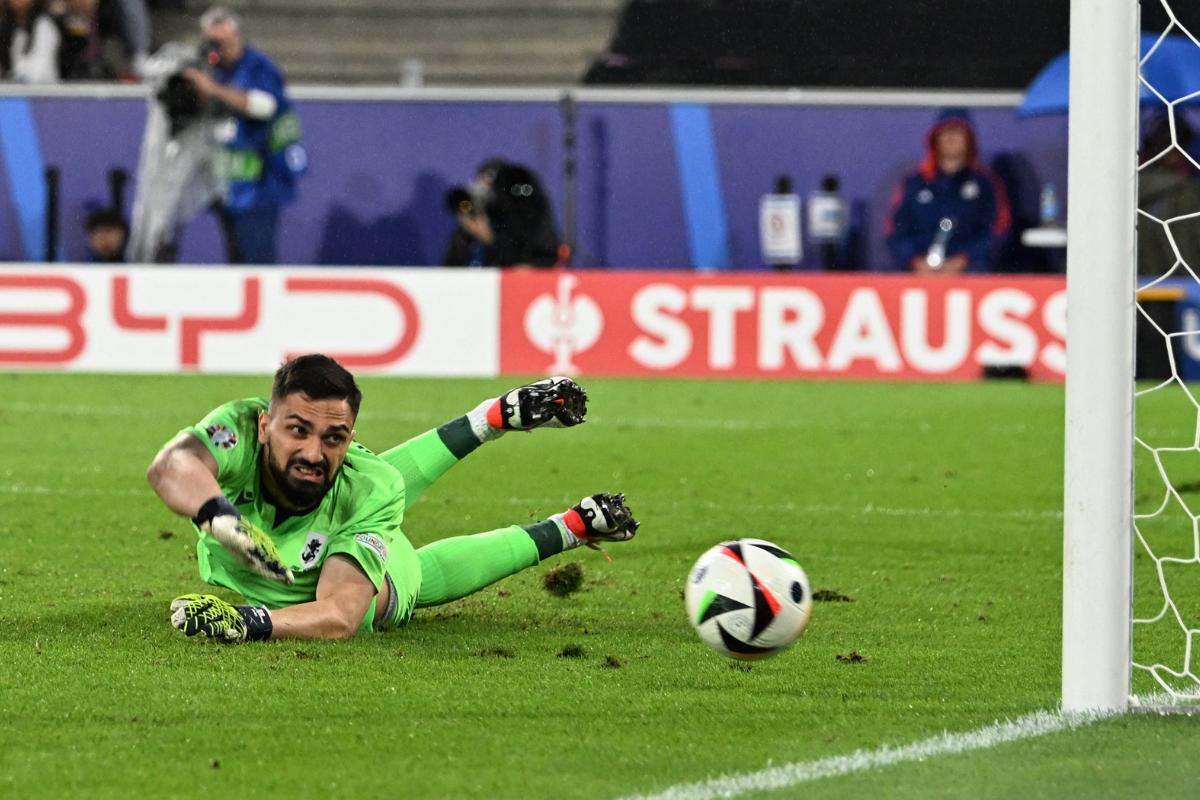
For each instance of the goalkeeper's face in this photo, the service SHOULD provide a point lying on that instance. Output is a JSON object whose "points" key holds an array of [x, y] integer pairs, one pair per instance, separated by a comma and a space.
{"points": [[304, 445]]}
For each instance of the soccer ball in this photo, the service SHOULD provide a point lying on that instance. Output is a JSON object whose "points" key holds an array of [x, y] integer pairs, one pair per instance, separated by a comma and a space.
{"points": [[748, 598]]}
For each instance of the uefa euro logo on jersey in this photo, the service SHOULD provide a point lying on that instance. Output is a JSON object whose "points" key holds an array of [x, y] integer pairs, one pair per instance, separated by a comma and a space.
{"points": [[222, 436], [374, 542]]}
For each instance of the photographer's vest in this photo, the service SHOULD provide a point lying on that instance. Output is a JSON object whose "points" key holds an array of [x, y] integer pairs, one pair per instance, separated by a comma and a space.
{"points": [[260, 159]]}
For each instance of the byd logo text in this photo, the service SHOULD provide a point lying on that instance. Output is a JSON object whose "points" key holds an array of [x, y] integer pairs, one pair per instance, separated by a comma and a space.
{"points": [[59, 336]]}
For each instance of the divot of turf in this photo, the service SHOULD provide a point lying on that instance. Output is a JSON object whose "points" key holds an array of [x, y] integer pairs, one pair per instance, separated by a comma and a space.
{"points": [[831, 596], [612, 662], [572, 651], [495, 652], [564, 580], [853, 657]]}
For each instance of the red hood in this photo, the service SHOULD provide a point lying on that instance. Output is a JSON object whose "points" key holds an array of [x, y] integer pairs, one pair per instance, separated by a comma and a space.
{"points": [[929, 165]]}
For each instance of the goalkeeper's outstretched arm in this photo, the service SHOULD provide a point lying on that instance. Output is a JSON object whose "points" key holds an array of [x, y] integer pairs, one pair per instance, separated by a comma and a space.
{"points": [[184, 475], [344, 594]]}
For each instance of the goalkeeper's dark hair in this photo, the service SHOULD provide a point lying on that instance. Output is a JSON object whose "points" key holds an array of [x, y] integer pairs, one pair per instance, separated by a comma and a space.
{"points": [[319, 377]]}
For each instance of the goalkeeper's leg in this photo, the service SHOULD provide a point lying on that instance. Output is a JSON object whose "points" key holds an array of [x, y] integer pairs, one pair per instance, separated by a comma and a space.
{"points": [[552, 403], [459, 566]]}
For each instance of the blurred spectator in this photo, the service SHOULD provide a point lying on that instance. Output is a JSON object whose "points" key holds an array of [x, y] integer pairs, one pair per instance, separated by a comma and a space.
{"points": [[262, 155], [949, 215], [135, 34], [107, 232], [29, 42], [1167, 188], [95, 41], [504, 220]]}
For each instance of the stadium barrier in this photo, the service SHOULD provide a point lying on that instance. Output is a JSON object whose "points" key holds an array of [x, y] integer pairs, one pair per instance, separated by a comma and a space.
{"points": [[662, 179], [487, 322]]}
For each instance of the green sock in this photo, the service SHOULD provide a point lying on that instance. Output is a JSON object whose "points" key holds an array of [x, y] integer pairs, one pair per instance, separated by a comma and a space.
{"points": [[425, 458], [462, 565], [551, 537]]}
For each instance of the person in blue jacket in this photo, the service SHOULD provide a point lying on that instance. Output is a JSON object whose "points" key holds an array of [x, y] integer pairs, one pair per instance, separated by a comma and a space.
{"points": [[948, 215], [261, 155]]}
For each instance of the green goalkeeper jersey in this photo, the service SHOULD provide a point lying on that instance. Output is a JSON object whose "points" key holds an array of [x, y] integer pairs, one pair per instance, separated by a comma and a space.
{"points": [[359, 516]]}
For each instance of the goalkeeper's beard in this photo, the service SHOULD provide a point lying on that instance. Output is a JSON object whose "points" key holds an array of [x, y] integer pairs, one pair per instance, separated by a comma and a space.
{"points": [[300, 494]]}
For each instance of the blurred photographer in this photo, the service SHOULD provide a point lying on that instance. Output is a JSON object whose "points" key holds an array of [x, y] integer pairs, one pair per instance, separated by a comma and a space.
{"points": [[261, 155], [176, 179], [469, 204], [504, 219]]}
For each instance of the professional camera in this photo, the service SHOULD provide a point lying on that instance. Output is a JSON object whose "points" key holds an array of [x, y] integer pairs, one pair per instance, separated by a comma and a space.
{"points": [[459, 200], [473, 198], [181, 101], [476, 196], [176, 178], [178, 95]]}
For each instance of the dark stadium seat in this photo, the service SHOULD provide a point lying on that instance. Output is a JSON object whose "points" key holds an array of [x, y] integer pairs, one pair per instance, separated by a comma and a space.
{"points": [[833, 43]]}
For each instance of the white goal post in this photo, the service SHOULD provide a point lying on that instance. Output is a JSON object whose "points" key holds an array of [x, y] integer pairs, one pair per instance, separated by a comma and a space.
{"points": [[1098, 479]]}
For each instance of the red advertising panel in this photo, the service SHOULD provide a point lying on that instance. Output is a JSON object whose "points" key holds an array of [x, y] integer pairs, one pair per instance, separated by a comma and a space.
{"points": [[780, 326]]}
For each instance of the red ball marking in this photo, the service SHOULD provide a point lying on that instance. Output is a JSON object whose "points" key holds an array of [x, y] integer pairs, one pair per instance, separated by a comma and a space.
{"points": [[771, 601], [733, 555]]}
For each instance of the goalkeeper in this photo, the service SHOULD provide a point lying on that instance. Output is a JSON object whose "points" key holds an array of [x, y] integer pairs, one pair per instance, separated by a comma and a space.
{"points": [[304, 522]]}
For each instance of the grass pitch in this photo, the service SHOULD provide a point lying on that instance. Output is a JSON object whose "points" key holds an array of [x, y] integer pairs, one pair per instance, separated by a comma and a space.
{"points": [[934, 508]]}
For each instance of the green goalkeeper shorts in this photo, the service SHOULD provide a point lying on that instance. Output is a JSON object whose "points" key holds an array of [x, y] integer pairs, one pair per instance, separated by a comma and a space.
{"points": [[402, 576]]}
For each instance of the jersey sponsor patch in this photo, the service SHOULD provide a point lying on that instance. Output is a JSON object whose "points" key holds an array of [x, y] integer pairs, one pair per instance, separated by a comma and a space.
{"points": [[223, 437], [970, 190], [374, 542], [314, 545]]}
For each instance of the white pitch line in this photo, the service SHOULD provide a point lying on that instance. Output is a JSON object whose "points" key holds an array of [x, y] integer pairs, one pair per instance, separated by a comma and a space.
{"points": [[535, 502], [1039, 723], [72, 409], [424, 420], [18, 488], [824, 508]]}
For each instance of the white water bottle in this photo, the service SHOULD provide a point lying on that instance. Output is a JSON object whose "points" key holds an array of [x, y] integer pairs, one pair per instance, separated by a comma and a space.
{"points": [[935, 257]]}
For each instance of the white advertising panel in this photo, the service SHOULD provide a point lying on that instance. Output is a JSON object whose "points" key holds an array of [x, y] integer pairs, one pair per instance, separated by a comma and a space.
{"points": [[223, 319]]}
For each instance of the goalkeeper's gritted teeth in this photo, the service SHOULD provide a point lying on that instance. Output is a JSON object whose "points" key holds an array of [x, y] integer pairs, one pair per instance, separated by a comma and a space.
{"points": [[307, 473]]}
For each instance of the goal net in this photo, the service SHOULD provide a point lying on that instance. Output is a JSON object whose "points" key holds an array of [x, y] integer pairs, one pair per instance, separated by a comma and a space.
{"points": [[1166, 459]]}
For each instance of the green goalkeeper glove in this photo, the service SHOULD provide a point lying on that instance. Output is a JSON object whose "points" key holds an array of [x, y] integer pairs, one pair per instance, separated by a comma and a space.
{"points": [[244, 539], [217, 619]]}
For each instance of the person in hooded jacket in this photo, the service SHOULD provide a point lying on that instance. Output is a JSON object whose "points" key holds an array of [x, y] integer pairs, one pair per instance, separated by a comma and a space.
{"points": [[1167, 188], [948, 215]]}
